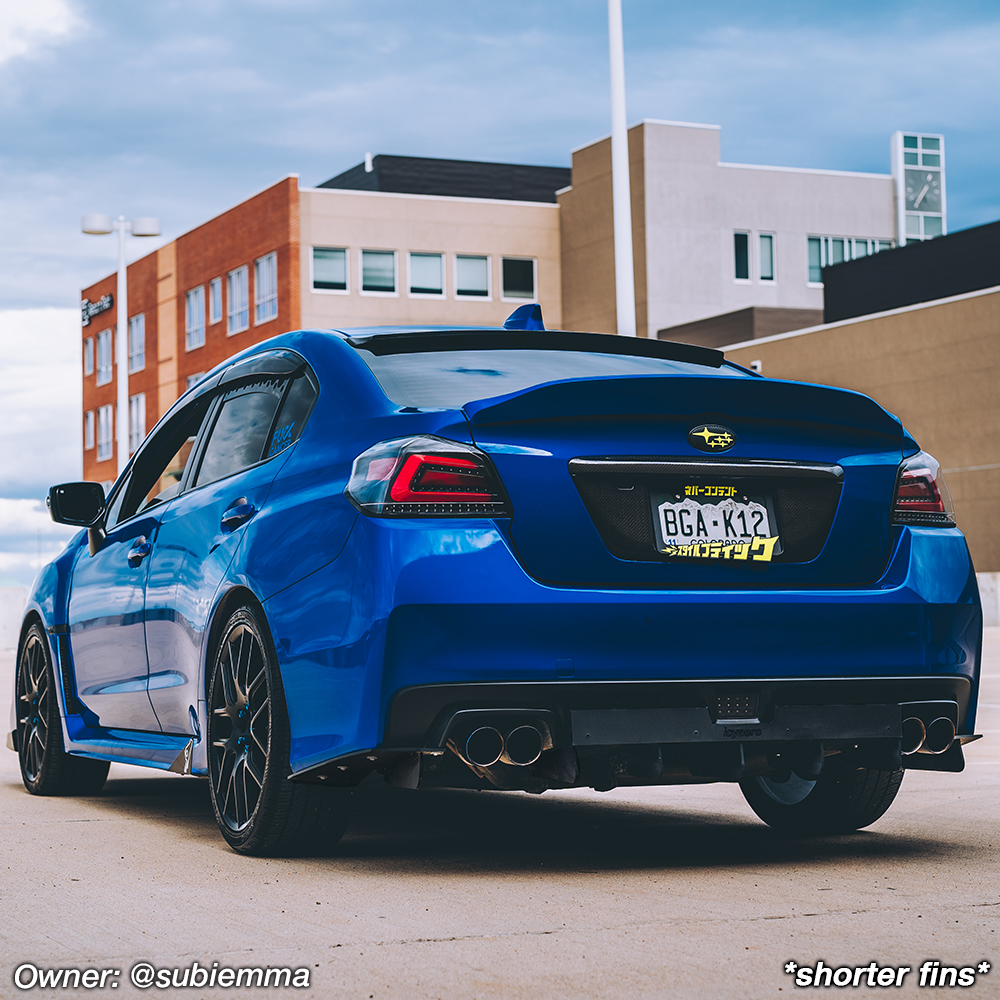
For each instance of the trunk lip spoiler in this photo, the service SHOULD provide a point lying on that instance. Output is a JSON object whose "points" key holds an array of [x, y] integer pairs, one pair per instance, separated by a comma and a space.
{"points": [[665, 465]]}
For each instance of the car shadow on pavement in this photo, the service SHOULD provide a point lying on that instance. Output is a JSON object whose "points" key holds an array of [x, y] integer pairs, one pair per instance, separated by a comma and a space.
{"points": [[397, 831]]}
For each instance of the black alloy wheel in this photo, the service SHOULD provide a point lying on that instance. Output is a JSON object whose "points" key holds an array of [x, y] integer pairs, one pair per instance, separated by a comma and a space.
{"points": [[46, 768], [258, 810]]}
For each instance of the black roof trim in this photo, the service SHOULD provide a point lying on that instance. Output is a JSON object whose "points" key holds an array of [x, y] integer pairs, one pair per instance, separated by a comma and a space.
{"points": [[454, 178], [538, 340]]}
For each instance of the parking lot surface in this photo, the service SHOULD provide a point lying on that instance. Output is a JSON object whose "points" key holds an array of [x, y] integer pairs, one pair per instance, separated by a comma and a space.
{"points": [[634, 893]]}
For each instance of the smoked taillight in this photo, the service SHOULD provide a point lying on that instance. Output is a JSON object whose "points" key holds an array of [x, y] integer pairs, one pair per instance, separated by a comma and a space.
{"points": [[922, 496], [426, 476]]}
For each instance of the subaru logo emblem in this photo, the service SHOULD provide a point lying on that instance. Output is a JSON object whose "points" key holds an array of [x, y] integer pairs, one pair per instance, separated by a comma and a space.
{"points": [[711, 437]]}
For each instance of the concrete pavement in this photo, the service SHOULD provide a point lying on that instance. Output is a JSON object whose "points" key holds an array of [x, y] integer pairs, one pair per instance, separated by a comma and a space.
{"points": [[665, 892]]}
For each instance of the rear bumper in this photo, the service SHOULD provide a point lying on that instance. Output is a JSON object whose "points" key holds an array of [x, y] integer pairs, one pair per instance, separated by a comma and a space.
{"points": [[415, 617]]}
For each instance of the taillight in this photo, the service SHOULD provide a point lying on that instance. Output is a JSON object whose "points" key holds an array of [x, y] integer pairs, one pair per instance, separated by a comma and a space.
{"points": [[922, 496], [426, 477]]}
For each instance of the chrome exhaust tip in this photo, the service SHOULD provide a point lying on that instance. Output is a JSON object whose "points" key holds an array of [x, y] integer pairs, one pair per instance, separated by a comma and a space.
{"points": [[484, 747], [914, 735], [522, 747], [940, 736]]}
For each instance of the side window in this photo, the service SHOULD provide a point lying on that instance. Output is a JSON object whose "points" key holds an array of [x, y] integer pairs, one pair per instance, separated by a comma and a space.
{"points": [[242, 429], [294, 413], [159, 467]]}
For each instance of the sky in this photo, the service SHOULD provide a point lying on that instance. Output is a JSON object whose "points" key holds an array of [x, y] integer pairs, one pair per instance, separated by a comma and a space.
{"points": [[182, 108]]}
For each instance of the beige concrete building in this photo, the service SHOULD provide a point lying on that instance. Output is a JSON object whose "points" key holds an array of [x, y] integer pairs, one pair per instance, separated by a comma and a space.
{"points": [[936, 366], [438, 260], [711, 237]]}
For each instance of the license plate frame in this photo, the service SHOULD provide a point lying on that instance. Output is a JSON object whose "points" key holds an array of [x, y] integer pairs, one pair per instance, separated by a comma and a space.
{"points": [[715, 520]]}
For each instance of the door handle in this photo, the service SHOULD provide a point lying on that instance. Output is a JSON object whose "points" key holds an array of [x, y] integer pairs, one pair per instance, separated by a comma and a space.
{"points": [[140, 549], [239, 512]]}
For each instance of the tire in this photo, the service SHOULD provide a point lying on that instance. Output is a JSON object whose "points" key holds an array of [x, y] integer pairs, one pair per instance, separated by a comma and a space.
{"points": [[841, 800], [258, 810], [46, 768]]}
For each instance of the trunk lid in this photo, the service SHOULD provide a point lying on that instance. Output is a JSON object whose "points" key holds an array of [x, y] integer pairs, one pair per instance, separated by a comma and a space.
{"points": [[588, 463]]}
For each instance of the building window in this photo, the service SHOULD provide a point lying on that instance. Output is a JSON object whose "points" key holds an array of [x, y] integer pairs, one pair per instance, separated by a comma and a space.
{"points": [[517, 277], [88, 356], [215, 300], [88, 430], [472, 275], [329, 266], [766, 257], [104, 361], [826, 250], [105, 432], [238, 300], [741, 253], [265, 288], [137, 343], [426, 274], [378, 271], [194, 379], [194, 318], [136, 421]]}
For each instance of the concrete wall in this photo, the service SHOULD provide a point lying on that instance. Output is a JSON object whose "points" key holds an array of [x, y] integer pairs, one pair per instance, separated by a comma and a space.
{"points": [[375, 220], [937, 367], [686, 207], [989, 593], [588, 246]]}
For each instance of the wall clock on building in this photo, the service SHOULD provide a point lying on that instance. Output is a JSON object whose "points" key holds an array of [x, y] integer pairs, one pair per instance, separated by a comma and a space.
{"points": [[923, 191], [918, 170]]}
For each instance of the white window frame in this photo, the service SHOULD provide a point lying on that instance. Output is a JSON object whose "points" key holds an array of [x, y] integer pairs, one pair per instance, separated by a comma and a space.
{"points": [[105, 433], [215, 301], [443, 294], [232, 313], [395, 273], [758, 238], [136, 421], [105, 372], [265, 292], [88, 430], [534, 278], [347, 271], [488, 297], [193, 380], [88, 356], [136, 343], [194, 309], [873, 245]]}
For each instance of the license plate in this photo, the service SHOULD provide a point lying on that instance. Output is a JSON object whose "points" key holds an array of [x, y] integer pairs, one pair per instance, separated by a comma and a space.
{"points": [[715, 521]]}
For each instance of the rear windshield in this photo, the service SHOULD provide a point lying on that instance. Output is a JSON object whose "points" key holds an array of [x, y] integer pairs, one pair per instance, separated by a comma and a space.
{"points": [[452, 378]]}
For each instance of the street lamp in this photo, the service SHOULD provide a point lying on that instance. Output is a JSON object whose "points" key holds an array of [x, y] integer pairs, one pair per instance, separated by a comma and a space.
{"points": [[101, 225]]}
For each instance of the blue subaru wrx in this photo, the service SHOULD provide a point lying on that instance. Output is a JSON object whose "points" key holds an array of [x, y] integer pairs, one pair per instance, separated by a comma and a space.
{"points": [[504, 559]]}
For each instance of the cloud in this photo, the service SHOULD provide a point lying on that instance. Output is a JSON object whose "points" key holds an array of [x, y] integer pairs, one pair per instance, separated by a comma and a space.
{"points": [[181, 109], [29, 538], [40, 423], [27, 25]]}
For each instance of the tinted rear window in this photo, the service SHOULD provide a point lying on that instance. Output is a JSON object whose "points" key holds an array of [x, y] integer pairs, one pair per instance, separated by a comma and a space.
{"points": [[451, 378]]}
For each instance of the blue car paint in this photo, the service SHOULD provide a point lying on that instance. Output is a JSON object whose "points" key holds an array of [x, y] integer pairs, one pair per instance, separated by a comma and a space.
{"points": [[360, 608]]}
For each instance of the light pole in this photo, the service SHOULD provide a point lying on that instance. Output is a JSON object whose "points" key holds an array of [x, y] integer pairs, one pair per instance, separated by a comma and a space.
{"points": [[101, 225], [621, 197]]}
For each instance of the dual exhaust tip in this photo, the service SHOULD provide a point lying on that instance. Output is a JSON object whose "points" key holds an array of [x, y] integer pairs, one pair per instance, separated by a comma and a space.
{"points": [[934, 737], [521, 746]]}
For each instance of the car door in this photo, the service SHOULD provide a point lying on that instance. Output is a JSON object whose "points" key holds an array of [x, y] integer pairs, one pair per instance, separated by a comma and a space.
{"points": [[107, 600], [199, 534]]}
